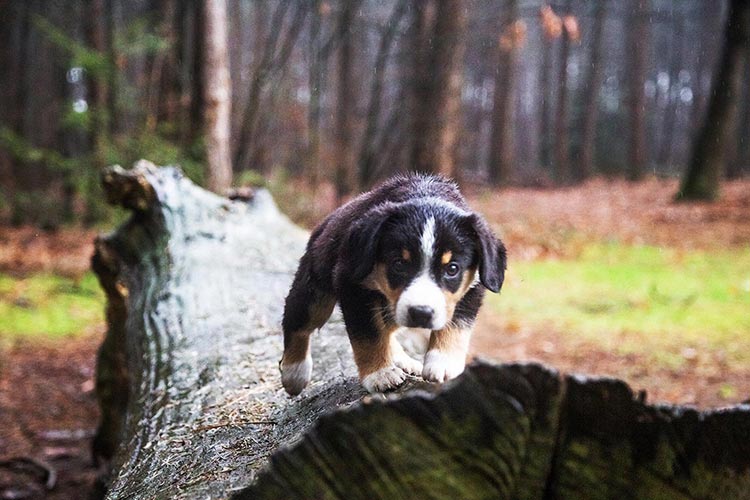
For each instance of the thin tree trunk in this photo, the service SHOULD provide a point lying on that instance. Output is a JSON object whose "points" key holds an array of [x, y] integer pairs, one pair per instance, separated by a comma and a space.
{"points": [[670, 113], [217, 96], [113, 108], [545, 108], [701, 180], [315, 83], [249, 142], [741, 164], [591, 92], [436, 134], [9, 59], [562, 140], [345, 179], [417, 75], [638, 59], [501, 142], [367, 157]]}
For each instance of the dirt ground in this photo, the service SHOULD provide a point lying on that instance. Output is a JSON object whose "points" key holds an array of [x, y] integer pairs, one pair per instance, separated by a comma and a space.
{"points": [[543, 223], [47, 405]]}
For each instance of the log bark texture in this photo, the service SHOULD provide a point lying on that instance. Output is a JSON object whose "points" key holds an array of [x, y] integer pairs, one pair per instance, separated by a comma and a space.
{"points": [[193, 408]]}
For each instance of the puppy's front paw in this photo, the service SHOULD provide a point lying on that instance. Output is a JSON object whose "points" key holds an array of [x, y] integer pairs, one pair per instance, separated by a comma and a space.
{"points": [[295, 376], [440, 366], [384, 379], [408, 364]]}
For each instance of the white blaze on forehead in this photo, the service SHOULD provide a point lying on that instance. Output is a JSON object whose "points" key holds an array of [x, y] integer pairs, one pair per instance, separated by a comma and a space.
{"points": [[428, 243], [423, 291]]}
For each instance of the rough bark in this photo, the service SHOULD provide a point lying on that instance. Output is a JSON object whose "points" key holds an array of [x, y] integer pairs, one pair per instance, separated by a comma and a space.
{"points": [[192, 406], [217, 96], [701, 180]]}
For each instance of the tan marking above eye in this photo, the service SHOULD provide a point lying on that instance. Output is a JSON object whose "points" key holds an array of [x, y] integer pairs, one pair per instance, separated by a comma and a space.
{"points": [[447, 256], [405, 254]]}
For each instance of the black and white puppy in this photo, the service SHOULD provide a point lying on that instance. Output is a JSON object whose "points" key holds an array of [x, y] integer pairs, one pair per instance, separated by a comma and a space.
{"points": [[408, 253]]}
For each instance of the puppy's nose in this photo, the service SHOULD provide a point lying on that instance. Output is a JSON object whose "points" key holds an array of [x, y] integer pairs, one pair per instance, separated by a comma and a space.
{"points": [[420, 316]]}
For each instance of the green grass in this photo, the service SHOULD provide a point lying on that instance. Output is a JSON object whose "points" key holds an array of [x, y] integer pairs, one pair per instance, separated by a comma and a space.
{"points": [[48, 305], [636, 299]]}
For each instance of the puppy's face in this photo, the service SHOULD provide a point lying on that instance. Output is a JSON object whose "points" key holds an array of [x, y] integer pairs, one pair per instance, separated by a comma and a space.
{"points": [[426, 259], [428, 265]]}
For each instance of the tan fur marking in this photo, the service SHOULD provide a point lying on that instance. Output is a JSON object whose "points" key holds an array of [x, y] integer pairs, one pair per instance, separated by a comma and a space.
{"points": [[371, 356], [296, 349], [405, 254], [378, 280], [450, 339], [447, 256], [452, 298], [298, 343], [320, 313]]}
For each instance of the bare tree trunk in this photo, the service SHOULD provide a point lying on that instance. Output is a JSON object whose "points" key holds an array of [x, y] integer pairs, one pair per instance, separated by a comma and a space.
{"points": [[217, 96], [368, 149], [638, 59], [436, 133], [741, 164], [345, 179], [315, 83], [701, 180], [8, 57], [501, 142], [670, 113], [417, 74], [562, 138], [591, 92], [710, 21], [249, 144], [545, 102]]}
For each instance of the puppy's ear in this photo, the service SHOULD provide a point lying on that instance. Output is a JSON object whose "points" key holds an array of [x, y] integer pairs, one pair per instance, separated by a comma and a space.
{"points": [[492, 254], [360, 250]]}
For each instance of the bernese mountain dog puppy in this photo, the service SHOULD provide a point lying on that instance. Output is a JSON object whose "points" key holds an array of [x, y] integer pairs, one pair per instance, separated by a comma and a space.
{"points": [[410, 253]]}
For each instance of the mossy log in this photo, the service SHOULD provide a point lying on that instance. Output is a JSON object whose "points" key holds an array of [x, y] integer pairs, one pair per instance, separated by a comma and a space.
{"points": [[192, 405]]}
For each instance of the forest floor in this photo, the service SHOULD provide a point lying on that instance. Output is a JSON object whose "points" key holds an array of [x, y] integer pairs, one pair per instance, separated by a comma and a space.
{"points": [[557, 307]]}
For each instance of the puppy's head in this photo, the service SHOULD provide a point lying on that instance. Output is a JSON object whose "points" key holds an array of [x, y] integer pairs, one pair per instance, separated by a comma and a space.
{"points": [[423, 256]]}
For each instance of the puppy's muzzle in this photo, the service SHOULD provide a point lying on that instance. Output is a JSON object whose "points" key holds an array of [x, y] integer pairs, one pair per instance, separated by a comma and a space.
{"points": [[420, 316]]}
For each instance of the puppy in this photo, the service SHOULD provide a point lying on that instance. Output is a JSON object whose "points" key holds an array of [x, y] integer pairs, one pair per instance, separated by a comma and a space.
{"points": [[408, 253]]}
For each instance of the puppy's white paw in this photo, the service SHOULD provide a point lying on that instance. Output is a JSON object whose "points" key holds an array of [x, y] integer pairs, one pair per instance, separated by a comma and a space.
{"points": [[384, 379], [440, 366], [408, 364], [295, 376]]}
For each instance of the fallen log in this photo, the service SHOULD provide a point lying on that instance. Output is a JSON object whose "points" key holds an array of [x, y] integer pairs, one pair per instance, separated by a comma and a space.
{"points": [[192, 405]]}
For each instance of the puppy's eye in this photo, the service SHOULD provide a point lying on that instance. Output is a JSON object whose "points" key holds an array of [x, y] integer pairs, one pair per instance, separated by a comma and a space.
{"points": [[399, 264], [452, 269]]}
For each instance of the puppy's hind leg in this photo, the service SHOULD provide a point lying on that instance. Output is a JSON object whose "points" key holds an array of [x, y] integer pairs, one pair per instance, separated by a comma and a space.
{"points": [[306, 309]]}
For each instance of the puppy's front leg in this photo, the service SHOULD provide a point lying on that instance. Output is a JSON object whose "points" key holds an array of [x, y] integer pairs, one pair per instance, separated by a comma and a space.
{"points": [[446, 354], [370, 330], [447, 349]]}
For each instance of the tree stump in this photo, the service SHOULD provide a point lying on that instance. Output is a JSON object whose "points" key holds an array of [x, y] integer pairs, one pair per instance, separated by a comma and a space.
{"points": [[192, 405]]}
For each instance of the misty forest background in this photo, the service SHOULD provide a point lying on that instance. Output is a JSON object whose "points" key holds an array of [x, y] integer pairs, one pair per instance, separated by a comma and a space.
{"points": [[341, 93]]}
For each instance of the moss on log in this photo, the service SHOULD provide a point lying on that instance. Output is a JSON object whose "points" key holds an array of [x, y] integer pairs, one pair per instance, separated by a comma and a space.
{"points": [[192, 405]]}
